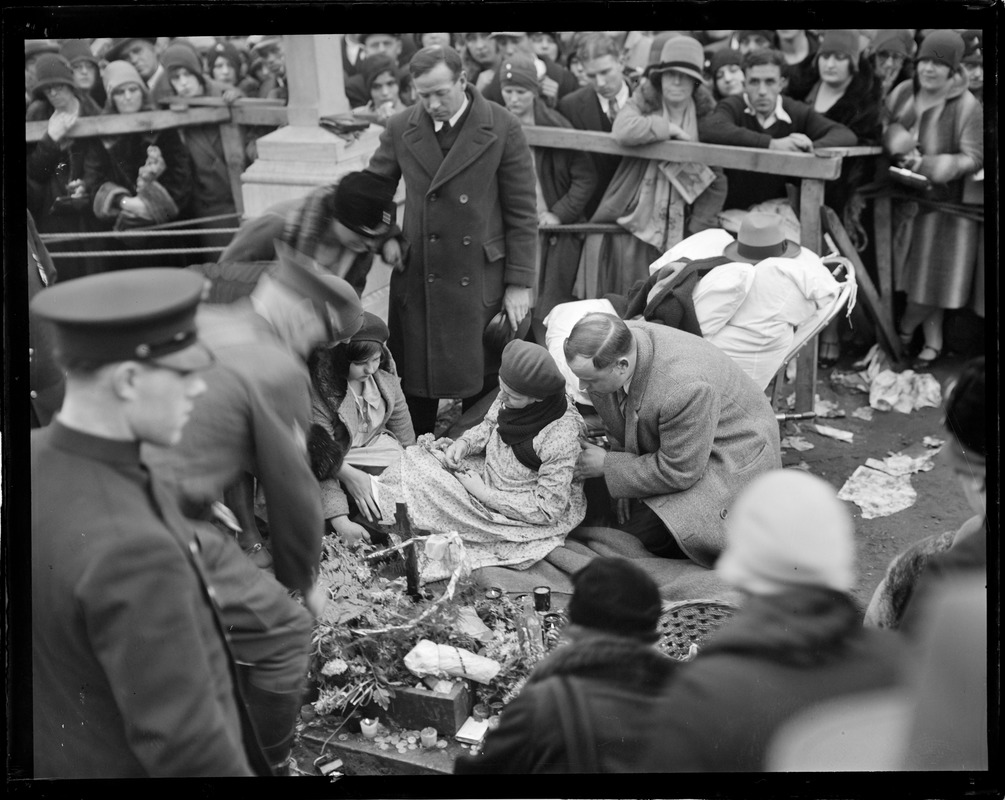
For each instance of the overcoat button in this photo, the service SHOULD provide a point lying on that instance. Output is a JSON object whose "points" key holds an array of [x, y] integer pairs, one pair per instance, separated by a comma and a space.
{"points": [[463, 198], [466, 240], [433, 237], [430, 278], [433, 197], [31, 351], [724, 513], [465, 281], [33, 394]]}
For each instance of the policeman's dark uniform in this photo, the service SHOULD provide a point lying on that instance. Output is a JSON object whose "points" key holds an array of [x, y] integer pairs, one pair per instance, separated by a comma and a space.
{"points": [[130, 665], [253, 419]]}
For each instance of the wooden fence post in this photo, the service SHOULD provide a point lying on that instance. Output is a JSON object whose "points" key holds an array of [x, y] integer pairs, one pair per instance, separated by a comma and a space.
{"points": [[233, 152], [811, 201]]}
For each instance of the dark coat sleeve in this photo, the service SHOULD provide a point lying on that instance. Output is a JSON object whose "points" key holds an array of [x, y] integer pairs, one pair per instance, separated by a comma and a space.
{"points": [[292, 494], [579, 177], [157, 664], [518, 202], [508, 748], [177, 178], [724, 126], [824, 132]]}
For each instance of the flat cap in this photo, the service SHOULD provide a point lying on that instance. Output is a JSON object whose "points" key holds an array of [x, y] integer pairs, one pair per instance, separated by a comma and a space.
{"points": [[334, 298], [131, 315], [115, 49]]}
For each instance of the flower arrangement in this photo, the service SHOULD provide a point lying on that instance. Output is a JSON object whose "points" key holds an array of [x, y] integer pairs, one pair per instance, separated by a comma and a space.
{"points": [[371, 623]]}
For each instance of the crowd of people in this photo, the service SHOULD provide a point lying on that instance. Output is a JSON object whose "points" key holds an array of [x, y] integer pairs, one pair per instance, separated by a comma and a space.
{"points": [[217, 421]]}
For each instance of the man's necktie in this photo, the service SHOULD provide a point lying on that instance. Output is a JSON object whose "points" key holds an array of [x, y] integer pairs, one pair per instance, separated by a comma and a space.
{"points": [[612, 109]]}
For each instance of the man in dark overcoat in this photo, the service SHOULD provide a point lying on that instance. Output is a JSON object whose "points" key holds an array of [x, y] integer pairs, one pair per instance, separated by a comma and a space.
{"points": [[470, 231], [131, 674], [46, 383]]}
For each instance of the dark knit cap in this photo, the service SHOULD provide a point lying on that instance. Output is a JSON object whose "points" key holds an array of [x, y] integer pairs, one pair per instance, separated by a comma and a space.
{"points": [[376, 65], [51, 70], [519, 69], [529, 369], [374, 330], [74, 50], [944, 47], [227, 51], [973, 41], [893, 40], [364, 202], [722, 57], [182, 55], [844, 42], [615, 596]]}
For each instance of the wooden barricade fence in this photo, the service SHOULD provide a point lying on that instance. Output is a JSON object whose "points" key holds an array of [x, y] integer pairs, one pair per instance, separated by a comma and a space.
{"points": [[811, 170]]}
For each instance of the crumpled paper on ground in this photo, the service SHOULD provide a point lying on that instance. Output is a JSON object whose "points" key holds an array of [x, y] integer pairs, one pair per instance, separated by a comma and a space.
{"points": [[429, 658], [796, 443], [877, 493], [902, 464], [890, 390], [863, 412]]}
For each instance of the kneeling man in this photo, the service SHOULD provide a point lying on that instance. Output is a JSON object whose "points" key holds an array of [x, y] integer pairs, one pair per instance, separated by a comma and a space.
{"points": [[688, 429]]}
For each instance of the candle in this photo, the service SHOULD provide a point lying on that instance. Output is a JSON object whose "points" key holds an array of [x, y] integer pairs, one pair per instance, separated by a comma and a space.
{"points": [[307, 712], [480, 712], [493, 593], [542, 598], [493, 722], [369, 728], [428, 737]]}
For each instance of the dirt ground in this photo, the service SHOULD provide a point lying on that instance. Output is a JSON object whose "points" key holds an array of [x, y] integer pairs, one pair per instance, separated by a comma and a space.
{"points": [[940, 505]]}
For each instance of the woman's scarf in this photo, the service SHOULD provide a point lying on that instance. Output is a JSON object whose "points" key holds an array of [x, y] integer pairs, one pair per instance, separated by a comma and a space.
{"points": [[519, 426]]}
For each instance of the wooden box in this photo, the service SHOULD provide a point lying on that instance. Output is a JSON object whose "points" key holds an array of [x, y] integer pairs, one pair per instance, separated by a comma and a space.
{"points": [[418, 708]]}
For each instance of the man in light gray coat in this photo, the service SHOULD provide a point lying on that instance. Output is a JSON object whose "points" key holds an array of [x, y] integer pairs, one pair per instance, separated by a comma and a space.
{"points": [[688, 429]]}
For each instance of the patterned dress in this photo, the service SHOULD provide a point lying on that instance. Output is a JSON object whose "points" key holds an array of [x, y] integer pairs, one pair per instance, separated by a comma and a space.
{"points": [[528, 513]]}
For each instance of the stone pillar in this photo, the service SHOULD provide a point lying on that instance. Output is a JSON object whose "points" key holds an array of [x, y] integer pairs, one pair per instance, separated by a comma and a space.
{"points": [[297, 158]]}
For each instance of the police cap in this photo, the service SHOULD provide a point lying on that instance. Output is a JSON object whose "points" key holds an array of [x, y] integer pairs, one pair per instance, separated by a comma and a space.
{"points": [[133, 315]]}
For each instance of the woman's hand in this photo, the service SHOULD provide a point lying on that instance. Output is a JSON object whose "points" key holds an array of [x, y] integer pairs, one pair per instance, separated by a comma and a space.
{"points": [[391, 253], [155, 164], [60, 123], [472, 482], [677, 132], [547, 218], [136, 208], [348, 531], [454, 453], [357, 483], [231, 95]]}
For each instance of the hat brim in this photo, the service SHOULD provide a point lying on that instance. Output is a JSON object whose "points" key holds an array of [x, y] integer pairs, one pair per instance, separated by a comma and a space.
{"points": [[196, 356], [731, 251], [659, 69], [39, 88], [115, 53]]}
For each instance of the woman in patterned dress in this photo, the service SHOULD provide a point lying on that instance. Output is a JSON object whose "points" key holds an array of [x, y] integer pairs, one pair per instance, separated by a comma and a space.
{"points": [[506, 485]]}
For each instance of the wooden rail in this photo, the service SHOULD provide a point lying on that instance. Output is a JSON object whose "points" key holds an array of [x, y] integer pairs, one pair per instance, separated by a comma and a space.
{"points": [[811, 168]]}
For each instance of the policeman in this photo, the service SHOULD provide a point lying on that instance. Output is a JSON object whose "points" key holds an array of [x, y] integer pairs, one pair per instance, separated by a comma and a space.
{"points": [[253, 420], [130, 664]]}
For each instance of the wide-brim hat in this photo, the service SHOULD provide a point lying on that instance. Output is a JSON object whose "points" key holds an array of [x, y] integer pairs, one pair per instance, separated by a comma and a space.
{"points": [[74, 50], [114, 51], [32, 47], [52, 70], [760, 237], [145, 314], [682, 54]]}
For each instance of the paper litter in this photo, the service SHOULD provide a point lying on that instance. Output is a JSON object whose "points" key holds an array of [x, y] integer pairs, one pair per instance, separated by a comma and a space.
{"points": [[835, 433], [863, 412], [933, 441], [890, 390], [902, 464], [877, 493], [796, 443]]}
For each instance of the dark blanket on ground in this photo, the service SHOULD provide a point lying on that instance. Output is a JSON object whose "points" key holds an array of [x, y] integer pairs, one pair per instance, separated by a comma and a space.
{"points": [[677, 579]]}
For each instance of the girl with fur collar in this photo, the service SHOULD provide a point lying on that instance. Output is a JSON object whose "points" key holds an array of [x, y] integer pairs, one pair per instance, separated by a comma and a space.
{"points": [[361, 424]]}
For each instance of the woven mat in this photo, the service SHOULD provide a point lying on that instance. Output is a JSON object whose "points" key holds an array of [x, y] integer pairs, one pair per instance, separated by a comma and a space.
{"points": [[677, 579]]}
